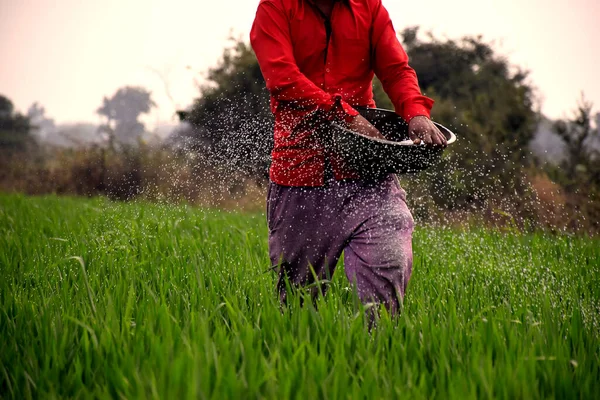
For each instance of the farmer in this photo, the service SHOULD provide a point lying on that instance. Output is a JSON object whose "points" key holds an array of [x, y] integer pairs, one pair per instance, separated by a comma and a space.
{"points": [[318, 58]]}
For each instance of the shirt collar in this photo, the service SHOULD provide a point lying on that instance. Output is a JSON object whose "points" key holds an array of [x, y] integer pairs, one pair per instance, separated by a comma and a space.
{"points": [[346, 2]]}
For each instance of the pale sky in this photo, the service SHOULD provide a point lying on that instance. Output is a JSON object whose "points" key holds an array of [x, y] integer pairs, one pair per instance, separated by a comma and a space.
{"points": [[68, 54]]}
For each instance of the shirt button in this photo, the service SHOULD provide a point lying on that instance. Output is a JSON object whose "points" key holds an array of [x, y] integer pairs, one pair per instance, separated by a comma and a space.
{"points": [[327, 70]]}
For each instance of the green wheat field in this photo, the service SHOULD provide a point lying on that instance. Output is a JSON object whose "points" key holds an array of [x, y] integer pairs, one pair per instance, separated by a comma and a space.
{"points": [[112, 300]]}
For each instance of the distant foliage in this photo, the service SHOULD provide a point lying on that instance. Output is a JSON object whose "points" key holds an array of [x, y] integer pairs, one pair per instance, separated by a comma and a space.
{"points": [[579, 173], [489, 104], [15, 129], [122, 112], [43, 125], [579, 136]]}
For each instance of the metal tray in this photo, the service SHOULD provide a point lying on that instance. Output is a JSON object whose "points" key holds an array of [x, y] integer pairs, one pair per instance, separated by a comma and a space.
{"points": [[373, 157]]}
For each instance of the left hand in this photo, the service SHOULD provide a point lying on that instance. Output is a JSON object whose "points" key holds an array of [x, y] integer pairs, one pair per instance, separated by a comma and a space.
{"points": [[422, 128]]}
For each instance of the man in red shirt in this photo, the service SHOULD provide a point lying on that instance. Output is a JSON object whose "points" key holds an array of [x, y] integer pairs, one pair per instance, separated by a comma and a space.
{"points": [[319, 57]]}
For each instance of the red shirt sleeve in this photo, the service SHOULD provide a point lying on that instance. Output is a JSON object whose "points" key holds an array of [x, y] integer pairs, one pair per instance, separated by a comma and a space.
{"points": [[390, 62], [270, 39]]}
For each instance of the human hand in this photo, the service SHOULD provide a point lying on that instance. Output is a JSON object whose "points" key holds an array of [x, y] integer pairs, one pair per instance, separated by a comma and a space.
{"points": [[359, 124], [423, 129]]}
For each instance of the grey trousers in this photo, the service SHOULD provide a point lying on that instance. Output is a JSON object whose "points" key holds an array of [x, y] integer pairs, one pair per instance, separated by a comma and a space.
{"points": [[310, 227]]}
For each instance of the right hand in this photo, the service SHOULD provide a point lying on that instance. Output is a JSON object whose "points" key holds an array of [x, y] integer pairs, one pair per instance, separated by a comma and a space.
{"points": [[360, 125], [422, 129]]}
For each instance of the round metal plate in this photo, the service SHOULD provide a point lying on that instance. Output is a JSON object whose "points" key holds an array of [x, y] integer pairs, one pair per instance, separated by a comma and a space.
{"points": [[376, 157]]}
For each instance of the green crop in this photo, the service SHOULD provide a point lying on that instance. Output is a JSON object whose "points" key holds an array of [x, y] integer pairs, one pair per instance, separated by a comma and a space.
{"points": [[102, 299]]}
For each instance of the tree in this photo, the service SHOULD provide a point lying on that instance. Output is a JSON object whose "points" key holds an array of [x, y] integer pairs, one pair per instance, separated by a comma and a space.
{"points": [[489, 104], [581, 164], [44, 126], [122, 111], [15, 129]]}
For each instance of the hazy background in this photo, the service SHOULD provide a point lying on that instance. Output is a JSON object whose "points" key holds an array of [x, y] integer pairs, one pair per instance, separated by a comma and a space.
{"points": [[89, 92], [68, 54]]}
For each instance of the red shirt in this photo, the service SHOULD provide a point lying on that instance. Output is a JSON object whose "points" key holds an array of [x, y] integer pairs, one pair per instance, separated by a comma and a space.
{"points": [[310, 62]]}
